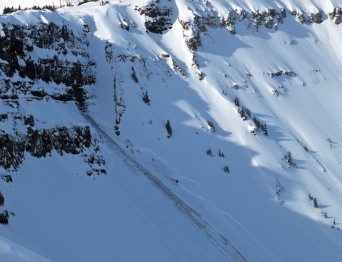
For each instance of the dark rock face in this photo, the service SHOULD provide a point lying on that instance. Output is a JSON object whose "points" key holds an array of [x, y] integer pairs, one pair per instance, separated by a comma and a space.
{"points": [[17, 44], [76, 140], [11, 152], [157, 17], [37, 79], [40, 143]]}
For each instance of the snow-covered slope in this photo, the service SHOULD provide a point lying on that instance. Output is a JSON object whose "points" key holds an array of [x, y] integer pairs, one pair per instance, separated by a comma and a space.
{"points": [[172, 131]]}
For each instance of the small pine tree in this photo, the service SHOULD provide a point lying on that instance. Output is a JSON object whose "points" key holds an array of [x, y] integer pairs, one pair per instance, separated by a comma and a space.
{"points": [[210, 152], [256, 122], [134, 76], [289, 160], [248, 112], [236, 101], [226, 169], [2, 199], [245, 113], [146, 99], [4, 217], [117, 130], [220, 153], [264, 129], [211, 126], [168, 129], [315, 203]]}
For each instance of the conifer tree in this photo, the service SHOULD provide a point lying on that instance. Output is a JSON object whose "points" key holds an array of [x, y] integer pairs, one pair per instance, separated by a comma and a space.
{"points": [[2, 199], [168, 129]]}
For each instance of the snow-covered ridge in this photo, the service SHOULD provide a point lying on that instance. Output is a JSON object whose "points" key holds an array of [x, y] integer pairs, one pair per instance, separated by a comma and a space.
{"points": [[231, 108], [244, 4]]}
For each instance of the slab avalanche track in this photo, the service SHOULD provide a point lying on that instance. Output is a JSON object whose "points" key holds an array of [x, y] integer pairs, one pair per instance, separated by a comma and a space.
{"points": [[220, 241]]}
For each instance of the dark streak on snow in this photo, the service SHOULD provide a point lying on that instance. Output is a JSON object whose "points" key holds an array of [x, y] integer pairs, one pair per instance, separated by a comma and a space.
{"points": [[195, 218]]}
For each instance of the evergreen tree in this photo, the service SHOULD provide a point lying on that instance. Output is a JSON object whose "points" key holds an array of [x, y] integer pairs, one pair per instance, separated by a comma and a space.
{"points": [[210, 152], [256, 122], [168, 129], [4, 218], [226, 169], [264, 129], [2, 199], [236, 101], [134, 75], [211, 126], [220, 153], [146, 99], [315, 203]]}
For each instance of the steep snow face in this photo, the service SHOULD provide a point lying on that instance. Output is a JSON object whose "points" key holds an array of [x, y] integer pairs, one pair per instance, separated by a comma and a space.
{"points": [[233, 107], [13, 252]]}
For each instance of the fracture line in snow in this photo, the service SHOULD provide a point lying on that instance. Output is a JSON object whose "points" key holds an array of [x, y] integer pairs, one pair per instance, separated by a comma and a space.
{"points": [[213, 235]]}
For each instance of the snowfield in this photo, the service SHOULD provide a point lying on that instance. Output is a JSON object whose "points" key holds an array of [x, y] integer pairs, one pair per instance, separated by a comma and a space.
{"points": [[249, 168]]}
